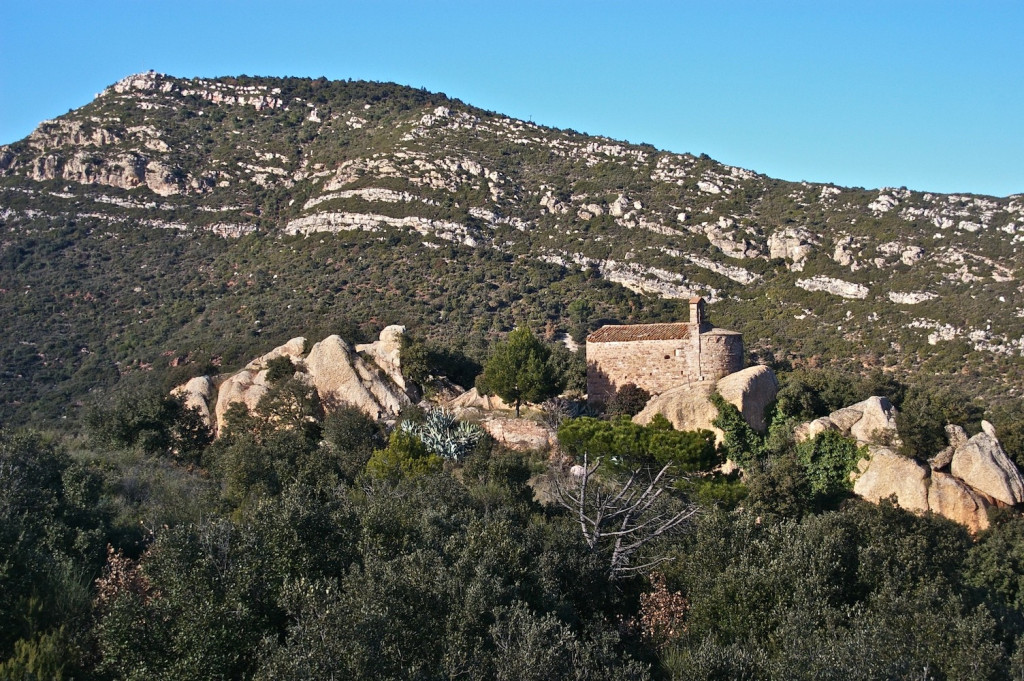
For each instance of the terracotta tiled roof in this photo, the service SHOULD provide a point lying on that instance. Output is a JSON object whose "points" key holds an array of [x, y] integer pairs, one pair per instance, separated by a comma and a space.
{"points": [[640, 332]]}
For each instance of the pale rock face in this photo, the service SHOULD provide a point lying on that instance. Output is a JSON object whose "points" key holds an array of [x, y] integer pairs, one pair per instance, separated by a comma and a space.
{"points": [[386, 352], [196, 394], [472, 399], [687, 407], [807, 431], [956, 435], [982, 464], [952, 499], [890, 474], [160, 179], [910, 297], [293, 349], [751, 390], [845, 419], [341, 376], [844, 253], [942, 460], [911, 255], [877, 423], [521, 434], [836, 287], [872, 421], [619, 206], [792, 244], [247, 386]]}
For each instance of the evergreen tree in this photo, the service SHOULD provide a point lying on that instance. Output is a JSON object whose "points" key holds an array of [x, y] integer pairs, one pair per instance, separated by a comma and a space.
{"points": [[518, 371]]}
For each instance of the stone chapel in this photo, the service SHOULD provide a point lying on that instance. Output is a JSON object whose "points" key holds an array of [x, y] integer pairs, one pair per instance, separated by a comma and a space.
{"points": [[657, 357]]}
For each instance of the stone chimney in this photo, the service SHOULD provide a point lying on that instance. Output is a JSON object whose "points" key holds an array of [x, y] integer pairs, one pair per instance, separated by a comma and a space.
{"points": [[697, 305]]}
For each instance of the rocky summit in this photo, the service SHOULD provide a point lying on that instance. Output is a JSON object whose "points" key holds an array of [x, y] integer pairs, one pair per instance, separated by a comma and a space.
{"points": [[156, 213]]}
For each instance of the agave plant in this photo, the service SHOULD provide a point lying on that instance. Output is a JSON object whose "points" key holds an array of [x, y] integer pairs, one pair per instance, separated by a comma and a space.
{"points": [[445, 435]]}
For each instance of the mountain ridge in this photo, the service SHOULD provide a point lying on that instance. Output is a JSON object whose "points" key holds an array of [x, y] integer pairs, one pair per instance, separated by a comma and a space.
{"points": [[891, 276]]}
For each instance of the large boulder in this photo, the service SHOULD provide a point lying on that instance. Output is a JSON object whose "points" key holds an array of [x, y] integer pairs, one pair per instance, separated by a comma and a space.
{"points": [[810, 430], [877, 422], [982, 464], [957, 438], [472, 399], [248, 386], [342, 377], [871, 422], [751, 390], [293, 350], [889, 474], [386, 352], [951, 498], [196, 395], [522, 434], [687, 407]]}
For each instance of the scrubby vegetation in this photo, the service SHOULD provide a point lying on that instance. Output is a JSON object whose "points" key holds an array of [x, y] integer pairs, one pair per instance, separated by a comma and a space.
{"points": [[322, 546], [310, 541]]}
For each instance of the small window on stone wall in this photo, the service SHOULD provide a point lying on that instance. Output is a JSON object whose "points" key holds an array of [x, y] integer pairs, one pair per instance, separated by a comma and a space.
{"points": [[667, 357]]}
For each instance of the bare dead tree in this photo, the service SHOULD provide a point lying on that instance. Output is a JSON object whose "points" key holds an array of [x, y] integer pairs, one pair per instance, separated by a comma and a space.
{"points": [[622, 516]]}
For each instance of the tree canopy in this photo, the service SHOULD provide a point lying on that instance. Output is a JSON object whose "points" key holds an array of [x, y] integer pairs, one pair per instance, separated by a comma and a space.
{"points": [[518, 370]]}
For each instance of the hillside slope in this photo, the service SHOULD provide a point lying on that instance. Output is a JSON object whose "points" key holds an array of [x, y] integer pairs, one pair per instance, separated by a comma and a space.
{"points": [[171, 223]]}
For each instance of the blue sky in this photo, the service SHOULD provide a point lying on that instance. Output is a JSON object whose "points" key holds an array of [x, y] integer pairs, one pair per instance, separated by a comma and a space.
{"points": [[928, 95]]}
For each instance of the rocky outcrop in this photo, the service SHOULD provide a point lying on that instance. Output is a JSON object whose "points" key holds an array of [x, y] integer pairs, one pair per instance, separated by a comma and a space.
{"points": [[472, 399], [751, 390], [343, 377], [890, 474], [689, 407], [957, 438], [836, 287], [792, 244], [872, 421], [247, 387], [386, 352], [332, 367], [126, 171], [951, 498], [196, 394], [980, 475], [293, 349], [521, 434], [982, 464]]}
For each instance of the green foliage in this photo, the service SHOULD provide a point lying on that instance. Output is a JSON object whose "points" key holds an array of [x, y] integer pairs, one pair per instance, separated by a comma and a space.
{"points": [[924, 415], [741, 444], [807, 394], [569, 368], [279, 369], [351, 438], [828, 459], [518, 370], [405, 457], [444, 435], [416, 361], [1009, 423], [53, 526], [154, 422], [629, 400], [45, 657], [863, 593], [780, 487], [624, 445], [996, 566]]}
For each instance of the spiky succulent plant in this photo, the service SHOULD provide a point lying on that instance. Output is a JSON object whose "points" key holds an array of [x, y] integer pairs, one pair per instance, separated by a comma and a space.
{"points": [[444, 434]]}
